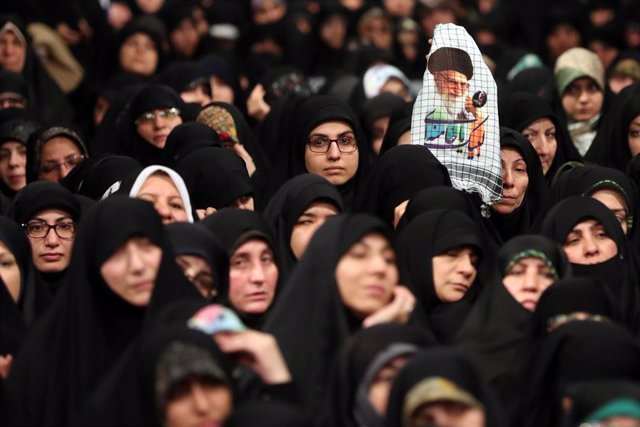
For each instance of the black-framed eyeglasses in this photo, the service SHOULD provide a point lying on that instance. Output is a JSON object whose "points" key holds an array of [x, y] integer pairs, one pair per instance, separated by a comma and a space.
{"points": [[40, 229], [71, 160], [321, 143], [150, 116]]}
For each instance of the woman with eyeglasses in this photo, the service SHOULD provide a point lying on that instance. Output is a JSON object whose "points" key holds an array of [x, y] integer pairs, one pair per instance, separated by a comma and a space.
{"points": [[48, 213], [57, 150], [327, 141], [148, 121]]}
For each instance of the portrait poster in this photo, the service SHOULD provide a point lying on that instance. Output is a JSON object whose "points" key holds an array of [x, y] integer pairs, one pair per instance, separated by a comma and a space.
{"points": [[456, 114]]}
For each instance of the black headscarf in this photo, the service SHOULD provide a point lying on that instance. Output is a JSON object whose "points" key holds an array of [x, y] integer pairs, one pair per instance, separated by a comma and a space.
{"points": [[379, 106], [15, 126], [134, 393], [399, 123], [216, 177], [46, 99], [32, 199], [13, 328], [587, 179], [272, 413], [428, 235], [194, 239], [309, 320], [185, 139], [575, 352], [611, 145], [102, 173], [311, 113], [230, 124], [496, 329], [521, 219], [89, 326], [446, 363], [286, 206], [400, 173], [620, 273], [131, 144], [522, 109], [234, 227], [360, 358]]}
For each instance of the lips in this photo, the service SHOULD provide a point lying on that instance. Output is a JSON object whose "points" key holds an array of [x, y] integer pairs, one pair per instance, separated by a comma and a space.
{"points": [[256, 296], [529, 304], [52, 256], [143, 286], [160, 138], [374, 290], [334, 170], [461, 287]]}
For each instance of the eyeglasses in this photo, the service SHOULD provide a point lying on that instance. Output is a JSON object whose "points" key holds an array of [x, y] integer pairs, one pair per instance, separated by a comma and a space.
{"points": [[150, 116], [452, 82], [71, 160], [321, 143], [40, 229]]}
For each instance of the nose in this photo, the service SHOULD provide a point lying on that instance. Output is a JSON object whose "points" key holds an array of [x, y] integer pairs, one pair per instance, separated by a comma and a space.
{"points": [[465, 266], [507, 178], [584, 97], [543, 148], [51, 239], [531, 280], [334, 151], [14, 158], [163, 209], [257, 274], [64, 170], [590, 246], [135, 260], [199, 399]]}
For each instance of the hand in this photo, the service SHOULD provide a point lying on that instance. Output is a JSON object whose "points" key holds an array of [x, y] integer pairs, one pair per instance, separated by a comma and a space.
{"points": [[256, 106], [257, 350], [397, 311], [468, 105], [203, 213], [70, 36], [248, 161], [5, 365], [119, 14]]}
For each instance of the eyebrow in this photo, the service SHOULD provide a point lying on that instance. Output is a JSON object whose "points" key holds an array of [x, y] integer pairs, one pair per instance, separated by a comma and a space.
{"points": [[59, 219], [340, 134]]}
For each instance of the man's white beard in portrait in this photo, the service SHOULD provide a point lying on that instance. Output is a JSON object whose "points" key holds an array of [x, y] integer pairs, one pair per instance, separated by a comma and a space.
{"points": [[455, 105]]}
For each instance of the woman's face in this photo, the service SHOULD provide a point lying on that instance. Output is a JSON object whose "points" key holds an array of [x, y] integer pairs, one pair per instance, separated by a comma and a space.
{"points": [[184, 38], [339, 163], [589, 243], [199, 272], [454, 272], [160, 190], [156, 125], [198, 402], [253, 277], [130, 272], [138, 55], [616, 204], [582, 99], [333, 31], [13, 53], [380, 387], [542, 135], [527, 279], [13, 164], [634, 136], [51, 253], [367, 275], [308, 223], [221, 91], [58, 157], [515, 181], [9, 271]]}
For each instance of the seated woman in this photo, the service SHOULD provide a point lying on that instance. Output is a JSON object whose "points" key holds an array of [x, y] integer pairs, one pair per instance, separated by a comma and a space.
{"points": [[441, 387], [296, 211], [534, 118], [326, 141], [120, 258], [200, 256], [49, 215], [439, 255], [523, 186], [497, 327], [253, 262], [148, 121], [16, 127], [164, 188], [364, 372], [346, 280], [597, 248], [56, 152]]}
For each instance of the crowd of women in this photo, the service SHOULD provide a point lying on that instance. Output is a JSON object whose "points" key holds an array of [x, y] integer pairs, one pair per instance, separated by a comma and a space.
{"points": [[213, 215]]}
